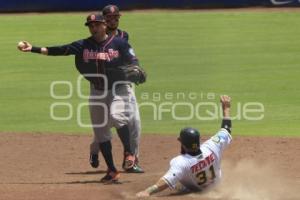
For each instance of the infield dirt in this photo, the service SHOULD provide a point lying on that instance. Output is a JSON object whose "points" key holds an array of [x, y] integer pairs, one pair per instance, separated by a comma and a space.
{"points": [[44, 167]]}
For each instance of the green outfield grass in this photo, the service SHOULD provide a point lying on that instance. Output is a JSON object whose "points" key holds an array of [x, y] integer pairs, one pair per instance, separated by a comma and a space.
{"points": [[252, 56]]}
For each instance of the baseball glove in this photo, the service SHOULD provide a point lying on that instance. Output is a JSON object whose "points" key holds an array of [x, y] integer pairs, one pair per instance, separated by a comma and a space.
{"points": [[130, 73]]}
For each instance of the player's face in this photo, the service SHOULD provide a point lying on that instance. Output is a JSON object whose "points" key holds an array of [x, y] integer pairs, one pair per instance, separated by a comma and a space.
{"points": [[97, 29], [112, 21]]}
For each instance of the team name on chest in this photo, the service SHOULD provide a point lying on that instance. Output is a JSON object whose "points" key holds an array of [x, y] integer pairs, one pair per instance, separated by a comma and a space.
{"points": [[203, 163], [96, 55]]}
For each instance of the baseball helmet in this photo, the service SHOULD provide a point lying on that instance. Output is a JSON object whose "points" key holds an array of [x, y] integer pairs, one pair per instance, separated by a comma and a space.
{"points": [[190, 138], [111, 10]]}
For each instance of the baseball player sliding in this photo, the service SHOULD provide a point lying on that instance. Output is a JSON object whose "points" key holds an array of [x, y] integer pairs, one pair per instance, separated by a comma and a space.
{"points": [[198, 166], [112, 15], [104, 61]]}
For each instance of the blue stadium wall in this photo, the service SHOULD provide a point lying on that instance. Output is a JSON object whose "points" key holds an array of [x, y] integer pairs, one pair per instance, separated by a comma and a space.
{"points": [[85, 5]]}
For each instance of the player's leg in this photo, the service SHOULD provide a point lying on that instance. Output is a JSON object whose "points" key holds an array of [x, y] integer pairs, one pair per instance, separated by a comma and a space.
{"points": [[97, 115], [135, 131], [121, 112], [94, 150], [135, 126], [102, 136], [105, 146]]}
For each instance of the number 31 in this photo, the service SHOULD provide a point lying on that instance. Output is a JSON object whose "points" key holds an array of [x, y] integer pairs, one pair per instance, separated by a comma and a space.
{"points": [[202, 177]]}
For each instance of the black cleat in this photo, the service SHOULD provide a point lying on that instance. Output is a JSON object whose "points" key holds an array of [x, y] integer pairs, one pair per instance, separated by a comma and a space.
{"points": [[110, 177], [94, 162]]}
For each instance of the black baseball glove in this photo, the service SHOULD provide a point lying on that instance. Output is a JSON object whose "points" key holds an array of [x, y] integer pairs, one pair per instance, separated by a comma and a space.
{"points": [[130, 73]]}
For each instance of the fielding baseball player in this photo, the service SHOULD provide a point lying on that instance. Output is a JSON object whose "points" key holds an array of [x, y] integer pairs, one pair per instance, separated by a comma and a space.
{"points": [[198, 167], [104, 61], [112, 15]]}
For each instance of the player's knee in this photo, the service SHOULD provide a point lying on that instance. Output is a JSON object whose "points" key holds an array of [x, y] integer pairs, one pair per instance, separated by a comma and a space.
{"points": [[118, 120]]}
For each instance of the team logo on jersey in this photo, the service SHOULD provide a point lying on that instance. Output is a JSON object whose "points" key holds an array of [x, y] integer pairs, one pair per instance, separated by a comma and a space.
{"points": [[131, 51], [207, 161], [113, 54], [216, 139], [95, 55]]}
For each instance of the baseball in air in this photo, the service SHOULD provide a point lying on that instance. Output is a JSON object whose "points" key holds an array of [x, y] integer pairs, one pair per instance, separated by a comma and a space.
{"points": [[21, 45]]}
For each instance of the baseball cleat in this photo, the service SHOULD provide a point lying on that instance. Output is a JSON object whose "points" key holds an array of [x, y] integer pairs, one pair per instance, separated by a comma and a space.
{"points": [[94, 162], [129, 161], [110, 177], [135, 169]]}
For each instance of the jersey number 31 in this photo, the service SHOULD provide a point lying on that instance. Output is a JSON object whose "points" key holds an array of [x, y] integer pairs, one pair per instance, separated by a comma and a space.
{"points": [[202, 176]]}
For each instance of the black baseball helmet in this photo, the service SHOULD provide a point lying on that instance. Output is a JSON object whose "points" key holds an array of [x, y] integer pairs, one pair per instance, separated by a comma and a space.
{"points": [[190, 138], [111, 10]]}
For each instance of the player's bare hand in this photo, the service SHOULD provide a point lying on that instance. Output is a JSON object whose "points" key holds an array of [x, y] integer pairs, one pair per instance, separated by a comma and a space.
{"points": [[24, 46], [225, 101], [143, 194]]}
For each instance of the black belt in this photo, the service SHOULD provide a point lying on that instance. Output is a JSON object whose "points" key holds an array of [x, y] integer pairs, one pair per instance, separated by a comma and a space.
{"points": [[101, 87]]}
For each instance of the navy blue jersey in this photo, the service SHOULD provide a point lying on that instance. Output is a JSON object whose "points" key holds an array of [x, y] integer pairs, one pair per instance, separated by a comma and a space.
{"points": [[94, 58], [123, 34]]}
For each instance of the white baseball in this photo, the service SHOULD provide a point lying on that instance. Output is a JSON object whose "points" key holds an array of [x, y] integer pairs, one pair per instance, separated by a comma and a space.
{"points": [[21, 45]]}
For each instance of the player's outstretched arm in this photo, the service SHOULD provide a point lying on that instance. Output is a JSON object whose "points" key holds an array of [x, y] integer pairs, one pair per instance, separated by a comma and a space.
{"points": [[226, 122], [158, 187], [63, 50], [27, 47]]}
